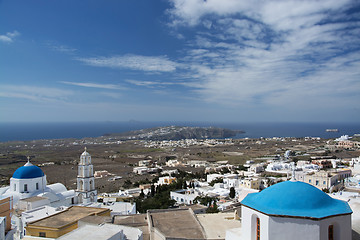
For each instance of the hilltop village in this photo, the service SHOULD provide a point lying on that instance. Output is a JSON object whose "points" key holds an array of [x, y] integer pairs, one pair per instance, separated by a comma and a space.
{"points": [[111, 188]]}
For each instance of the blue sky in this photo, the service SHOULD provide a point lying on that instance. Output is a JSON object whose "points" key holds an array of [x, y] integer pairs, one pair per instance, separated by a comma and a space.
{"points": [[180, 60]]}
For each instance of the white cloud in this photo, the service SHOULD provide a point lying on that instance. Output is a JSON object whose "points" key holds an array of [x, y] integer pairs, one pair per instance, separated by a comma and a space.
{"points": [[278, 53], [94, 85], [274, 12], [143, 83], [62, 48], [9, 36], [152, 84], [34, 93], [134, 62], [190, 12]]}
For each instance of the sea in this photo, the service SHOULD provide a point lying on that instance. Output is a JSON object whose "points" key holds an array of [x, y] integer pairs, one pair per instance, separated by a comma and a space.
{"points": [[36, 131]]}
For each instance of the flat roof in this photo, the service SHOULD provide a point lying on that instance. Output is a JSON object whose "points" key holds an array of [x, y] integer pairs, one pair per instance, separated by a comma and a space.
{"points": [[138, 220], [176, 223], [105, 231], [72, 214], [97, 220], [39, 213], [33, 199], [131, 220], [216, 224]]}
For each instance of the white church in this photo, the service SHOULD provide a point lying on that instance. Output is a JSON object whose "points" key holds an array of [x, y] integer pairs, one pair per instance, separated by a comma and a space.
{"points": [[28, 184], [293, 210]]}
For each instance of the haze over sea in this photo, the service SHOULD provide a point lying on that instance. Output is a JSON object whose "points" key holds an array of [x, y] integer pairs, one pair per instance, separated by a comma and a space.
{"points": [[35, 131]]}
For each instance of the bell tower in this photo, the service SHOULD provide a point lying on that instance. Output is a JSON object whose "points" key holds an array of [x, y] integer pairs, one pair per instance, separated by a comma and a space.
{"points": [[86, 191]]}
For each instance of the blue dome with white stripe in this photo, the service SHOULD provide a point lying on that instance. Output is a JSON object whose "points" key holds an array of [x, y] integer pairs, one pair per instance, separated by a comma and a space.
{"points": [[28, 171], [296, 199]]}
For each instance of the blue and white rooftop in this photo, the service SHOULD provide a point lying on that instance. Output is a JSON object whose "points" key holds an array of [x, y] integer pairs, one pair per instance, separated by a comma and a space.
{"points": [[28, 171], [296, 199]]}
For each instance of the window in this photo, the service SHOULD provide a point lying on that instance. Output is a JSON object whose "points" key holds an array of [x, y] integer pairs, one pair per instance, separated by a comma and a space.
{"points": [[42, 234], [25, 188], [324, 182], [331, 232], [14, 187], [37, 186], [309, 180], [257, 228], [317, 182]]}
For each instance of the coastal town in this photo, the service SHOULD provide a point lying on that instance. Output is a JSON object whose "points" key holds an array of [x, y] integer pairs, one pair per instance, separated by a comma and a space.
{"points": [[180, 189], [180, 120]]}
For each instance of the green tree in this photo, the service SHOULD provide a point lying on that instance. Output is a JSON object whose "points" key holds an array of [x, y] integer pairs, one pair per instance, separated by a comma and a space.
{"points": [[206, 200], [142, 195], [212, 208], [152, 190], [232, 192], [216, 180]]}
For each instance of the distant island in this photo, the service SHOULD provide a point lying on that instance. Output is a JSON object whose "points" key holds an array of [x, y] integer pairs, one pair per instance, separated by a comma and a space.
{"points": [[175, 133]]}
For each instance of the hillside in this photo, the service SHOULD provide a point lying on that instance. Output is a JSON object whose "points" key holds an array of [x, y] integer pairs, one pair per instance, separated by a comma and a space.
{"points": [[176, 133]]}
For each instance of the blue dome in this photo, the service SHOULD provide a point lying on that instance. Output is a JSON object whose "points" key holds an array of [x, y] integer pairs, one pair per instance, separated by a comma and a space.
{"points": [[296, 199], [28, 171]]}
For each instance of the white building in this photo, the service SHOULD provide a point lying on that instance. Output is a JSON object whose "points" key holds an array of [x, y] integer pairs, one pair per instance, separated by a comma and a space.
{"points": [[145, 163], [279, 167], [29, 181], [256, 168], [332, 180], [293, 210], [305, 166], [197, 163], [231, 182], [86, 191], [166, 180], [253, 183], [342, 138], [219, 190], [173, 163], [140, 170], [184, 196], [120, 208], [355, 163], [33, 215]]}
